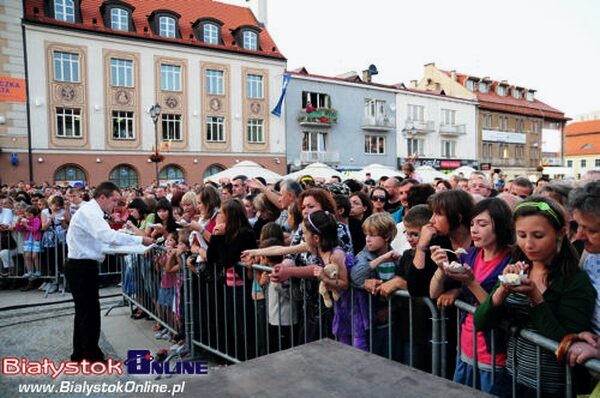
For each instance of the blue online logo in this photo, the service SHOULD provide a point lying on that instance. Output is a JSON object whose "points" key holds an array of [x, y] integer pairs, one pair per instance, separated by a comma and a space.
{"points": [[141, 362]]}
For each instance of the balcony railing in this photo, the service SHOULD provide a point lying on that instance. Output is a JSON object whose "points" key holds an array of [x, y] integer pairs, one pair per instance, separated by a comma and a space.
{"points": [[453, 129], [418, 127], [324, 157], [320, 117], [379, 123]]}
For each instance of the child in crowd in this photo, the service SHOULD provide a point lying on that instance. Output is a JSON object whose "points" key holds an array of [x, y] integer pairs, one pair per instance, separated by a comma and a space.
{"points": [[377, 270], [7, 243], [413, 221], [168, 266], [31, 225]]}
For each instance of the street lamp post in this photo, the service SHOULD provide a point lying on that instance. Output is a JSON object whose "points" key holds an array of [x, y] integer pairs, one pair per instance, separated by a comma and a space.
{"points": [[154, 114]]}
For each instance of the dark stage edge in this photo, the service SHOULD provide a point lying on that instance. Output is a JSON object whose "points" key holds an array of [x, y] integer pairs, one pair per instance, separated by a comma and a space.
{"points": [[323, 368]]}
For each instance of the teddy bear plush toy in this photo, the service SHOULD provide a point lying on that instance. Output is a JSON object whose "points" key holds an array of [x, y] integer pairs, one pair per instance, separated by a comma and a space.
{"points": [[331, 270]]}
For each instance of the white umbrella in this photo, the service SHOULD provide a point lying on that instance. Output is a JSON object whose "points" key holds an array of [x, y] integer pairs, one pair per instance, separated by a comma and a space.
{"points": [[377, 171], [316, 170], [248, 168], [428, 173], [465, 170]]}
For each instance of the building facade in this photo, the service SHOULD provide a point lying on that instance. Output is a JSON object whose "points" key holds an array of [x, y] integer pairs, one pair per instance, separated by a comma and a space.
{"points": [[435, 129], [582, 146], [344, 122], [512, 124], [95, 68]]}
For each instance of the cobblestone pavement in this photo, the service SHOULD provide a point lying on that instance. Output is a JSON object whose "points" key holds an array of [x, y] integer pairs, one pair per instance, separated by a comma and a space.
{"points": [[45, 331]]}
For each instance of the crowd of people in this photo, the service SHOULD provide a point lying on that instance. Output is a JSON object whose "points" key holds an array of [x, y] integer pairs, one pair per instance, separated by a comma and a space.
{"points": [[460, 238]]}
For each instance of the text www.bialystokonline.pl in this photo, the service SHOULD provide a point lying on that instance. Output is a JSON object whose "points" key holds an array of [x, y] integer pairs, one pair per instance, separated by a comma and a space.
{"points": [[87, 388]]}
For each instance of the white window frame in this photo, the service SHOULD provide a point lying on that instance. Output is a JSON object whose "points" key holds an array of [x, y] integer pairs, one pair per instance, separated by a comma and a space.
{"points": [[171, 127], [415, 113], [210, 33], [448, 149], [124, 123], [255, 131], [483, 87], [516, 93], [215, 80], [68, 117], [448, 117], [121, 72], [254, 86], [410, 146], [309, 137], [215, 129], [530, 96], [64, 10], [167, 27], [375, 145], [470, 85], [583, 163], [66, 66], [119, 19], [170, 77], [250, 40], [501, 91]]}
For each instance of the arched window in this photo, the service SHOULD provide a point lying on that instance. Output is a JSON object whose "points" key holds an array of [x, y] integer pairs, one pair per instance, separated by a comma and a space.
{"points": [[69, 175], [212, 169], [167, 27], [64, 10], [119, 19], [124, 176], [250, 40], [171, 174], [211, 33]]}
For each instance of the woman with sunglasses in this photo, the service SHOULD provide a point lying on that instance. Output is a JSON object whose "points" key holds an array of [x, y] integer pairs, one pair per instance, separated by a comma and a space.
{"points": [[554, 298], [379, 197]]}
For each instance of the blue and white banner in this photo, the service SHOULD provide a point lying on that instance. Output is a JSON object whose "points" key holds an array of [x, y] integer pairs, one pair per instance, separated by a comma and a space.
{"points": [[277, 110]]}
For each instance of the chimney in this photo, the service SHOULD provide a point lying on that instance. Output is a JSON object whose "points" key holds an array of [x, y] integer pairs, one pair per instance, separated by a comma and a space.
{"points": [[453, 75], [259, 9], [413, 84], [366, 76]]}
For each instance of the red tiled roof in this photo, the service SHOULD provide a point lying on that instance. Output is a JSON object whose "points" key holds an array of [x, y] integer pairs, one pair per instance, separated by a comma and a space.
{"points": [[588, 144], [508, 103], [583, 128], [190, 10]]}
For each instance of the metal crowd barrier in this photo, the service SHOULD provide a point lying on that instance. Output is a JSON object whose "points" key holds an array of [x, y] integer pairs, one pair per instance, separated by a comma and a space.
{"points": [[541, 343], [227, 322]]}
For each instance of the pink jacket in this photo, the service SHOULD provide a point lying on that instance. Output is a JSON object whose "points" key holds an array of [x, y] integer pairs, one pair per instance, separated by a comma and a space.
{"points": [[34, 227]]}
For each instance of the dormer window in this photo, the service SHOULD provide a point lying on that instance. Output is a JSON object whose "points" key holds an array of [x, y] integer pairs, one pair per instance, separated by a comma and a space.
{"points": [[164, 23], [119, 19], [501, 91], [64, 10], [517, 93], [117, 15], [483, 87], [210, 34], [208, 30], [470, 85], [529, 96], [166, 27], [250, 40]]}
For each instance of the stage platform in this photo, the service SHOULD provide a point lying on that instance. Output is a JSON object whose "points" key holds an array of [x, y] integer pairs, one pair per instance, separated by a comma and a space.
{"points": [[324, 368]]}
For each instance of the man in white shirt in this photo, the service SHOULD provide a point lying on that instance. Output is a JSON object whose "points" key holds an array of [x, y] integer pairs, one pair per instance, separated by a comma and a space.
{"points": [[87, 232]]}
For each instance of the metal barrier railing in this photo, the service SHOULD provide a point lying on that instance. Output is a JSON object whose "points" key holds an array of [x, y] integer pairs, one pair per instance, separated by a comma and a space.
{"points": [[541, 343], [225, 321]]}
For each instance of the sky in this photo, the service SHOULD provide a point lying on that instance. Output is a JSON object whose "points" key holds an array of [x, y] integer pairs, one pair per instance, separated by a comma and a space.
{"points": [[552, 46]]}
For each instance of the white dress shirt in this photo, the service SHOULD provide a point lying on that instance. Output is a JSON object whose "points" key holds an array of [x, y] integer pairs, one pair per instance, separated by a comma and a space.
{"points": [[88, 230]]}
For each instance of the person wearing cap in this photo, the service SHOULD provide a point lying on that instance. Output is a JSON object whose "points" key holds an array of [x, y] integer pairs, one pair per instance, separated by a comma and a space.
{"points": [[86, 235]]}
